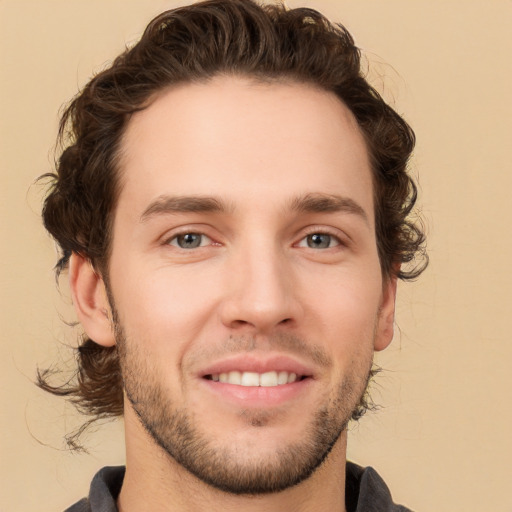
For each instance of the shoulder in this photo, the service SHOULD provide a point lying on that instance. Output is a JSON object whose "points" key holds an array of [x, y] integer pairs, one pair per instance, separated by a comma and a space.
{"points": [[366, 491], [103, 493]]}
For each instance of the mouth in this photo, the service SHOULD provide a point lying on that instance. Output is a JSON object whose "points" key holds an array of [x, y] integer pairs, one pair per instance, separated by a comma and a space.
{"points": [[259, 381], [254, 379]]}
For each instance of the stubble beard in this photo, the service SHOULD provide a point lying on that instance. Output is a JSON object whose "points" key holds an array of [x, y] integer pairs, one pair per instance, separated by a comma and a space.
{"points": [[177, 431]]}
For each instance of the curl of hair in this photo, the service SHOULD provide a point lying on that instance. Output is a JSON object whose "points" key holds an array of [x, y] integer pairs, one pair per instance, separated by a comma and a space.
{"points": [[194, 44]]}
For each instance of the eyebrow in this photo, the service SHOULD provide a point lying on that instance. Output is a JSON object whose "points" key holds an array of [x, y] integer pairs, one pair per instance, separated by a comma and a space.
{"points": [[327, 203], [308, 203], [183, 204]]}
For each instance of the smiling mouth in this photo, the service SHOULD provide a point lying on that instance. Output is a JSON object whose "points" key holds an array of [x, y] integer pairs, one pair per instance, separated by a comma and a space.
{"points": [[254, 379]]}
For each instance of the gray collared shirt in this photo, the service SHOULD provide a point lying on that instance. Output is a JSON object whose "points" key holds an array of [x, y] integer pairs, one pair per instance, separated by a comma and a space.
{"points": [[365, 491]]}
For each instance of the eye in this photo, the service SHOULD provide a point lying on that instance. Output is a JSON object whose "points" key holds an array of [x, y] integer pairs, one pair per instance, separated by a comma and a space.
{"points": [[319, 241], [190, 240]]}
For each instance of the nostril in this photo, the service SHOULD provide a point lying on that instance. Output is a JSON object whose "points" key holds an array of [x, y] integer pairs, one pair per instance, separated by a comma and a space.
{"points": [[240, 323]]}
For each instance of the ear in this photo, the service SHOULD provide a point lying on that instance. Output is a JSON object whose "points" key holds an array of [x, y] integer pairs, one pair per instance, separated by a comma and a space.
{"points": [[386, 321], [90, 301]]}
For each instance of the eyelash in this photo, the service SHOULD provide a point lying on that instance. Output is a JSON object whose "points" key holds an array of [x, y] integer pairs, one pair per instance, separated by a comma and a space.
{"points": [[305, 242], [185, 233], [322, 231], [311, 232]]}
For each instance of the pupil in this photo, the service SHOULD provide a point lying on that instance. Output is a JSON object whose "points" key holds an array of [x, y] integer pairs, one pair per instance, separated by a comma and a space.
{"points": [[319, 241], [189, 240]]}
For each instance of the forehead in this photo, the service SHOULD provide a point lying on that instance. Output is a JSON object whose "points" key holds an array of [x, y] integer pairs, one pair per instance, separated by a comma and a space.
{"points": [[243, 140]]}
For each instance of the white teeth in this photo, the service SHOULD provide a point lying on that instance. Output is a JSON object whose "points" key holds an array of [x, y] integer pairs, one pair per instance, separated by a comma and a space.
{"points": [[268, 379], [292, 377], [282, 378], [250, 379], [253, 379], [235, 378]]}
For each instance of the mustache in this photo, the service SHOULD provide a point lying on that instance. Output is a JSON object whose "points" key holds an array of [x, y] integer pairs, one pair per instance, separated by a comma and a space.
{"points": [[282, 342]]}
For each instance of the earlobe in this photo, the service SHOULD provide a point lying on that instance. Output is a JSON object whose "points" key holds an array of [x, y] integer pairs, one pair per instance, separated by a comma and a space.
{"points": [[90, 301], [386, 320]]}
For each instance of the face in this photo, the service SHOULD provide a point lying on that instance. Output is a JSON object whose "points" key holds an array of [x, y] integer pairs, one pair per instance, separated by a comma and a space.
{"points": [[244, 278]]}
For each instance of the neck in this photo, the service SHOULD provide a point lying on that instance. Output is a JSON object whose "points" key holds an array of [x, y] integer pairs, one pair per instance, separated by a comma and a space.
{"points": [[154, 481]]}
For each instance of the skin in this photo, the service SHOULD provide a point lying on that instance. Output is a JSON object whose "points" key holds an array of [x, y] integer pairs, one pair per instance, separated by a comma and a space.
{"points": [[257, 278]]}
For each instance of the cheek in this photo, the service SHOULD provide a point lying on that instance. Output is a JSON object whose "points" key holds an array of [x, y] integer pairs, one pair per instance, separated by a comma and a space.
{"points": [[349, 315], [351, 299], [167, 309]]}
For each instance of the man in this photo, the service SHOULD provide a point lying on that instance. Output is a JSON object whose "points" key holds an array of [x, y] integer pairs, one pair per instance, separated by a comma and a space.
{"points": [[232, 206]]}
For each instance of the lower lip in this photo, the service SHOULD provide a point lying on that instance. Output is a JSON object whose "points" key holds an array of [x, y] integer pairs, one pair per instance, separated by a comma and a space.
{"points": [[258, 396]]}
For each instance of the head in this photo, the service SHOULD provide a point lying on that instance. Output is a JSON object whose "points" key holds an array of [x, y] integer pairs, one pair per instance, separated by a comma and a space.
{"points": [[218, 51]]}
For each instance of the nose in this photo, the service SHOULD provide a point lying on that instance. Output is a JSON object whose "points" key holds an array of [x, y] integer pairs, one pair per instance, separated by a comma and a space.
{"points": [[261, 293]]}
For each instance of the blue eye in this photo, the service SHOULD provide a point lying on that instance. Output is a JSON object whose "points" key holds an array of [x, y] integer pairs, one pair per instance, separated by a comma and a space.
{"points": [[189, 240], [319, 241]]}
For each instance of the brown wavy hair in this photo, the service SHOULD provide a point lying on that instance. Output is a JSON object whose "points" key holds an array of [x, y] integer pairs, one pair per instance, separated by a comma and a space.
{"points": [[196, 43]]}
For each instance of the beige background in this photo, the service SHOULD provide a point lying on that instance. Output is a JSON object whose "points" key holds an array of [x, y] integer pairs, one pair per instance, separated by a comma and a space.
{"points": [[443, 437]]}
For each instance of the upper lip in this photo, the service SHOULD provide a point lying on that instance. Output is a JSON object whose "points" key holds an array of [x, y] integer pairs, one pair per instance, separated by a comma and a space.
{"points": [[262, 364]]}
